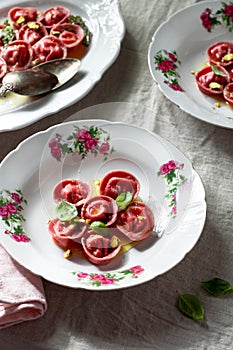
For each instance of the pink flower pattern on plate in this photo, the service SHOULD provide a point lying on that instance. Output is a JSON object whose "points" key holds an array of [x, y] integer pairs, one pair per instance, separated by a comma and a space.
{"points": [[222, 16], [100, 279], [174, 179], [82, 141], [167, 63], [10, 213]]}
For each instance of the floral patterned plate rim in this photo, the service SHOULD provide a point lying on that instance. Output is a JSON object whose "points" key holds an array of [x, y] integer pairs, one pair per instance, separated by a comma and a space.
{"points": [[105, 21], [87, 149], [178, 49]]}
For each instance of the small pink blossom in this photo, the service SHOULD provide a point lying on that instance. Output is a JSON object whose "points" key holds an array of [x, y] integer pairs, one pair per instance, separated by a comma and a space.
{"points": [[228, 9], [176, 87], [56, 152], [90, 144], [16, 197], [172, 164], [83, 135], [167, 167], [174, 210], [7, 232], [82, 275], [102, 279], [166, 65], [172, 57], [104, 148], [12, 208], [20, 237], [164, 169], [4, 211], [206, 20], [136, 269], [54, 143]]}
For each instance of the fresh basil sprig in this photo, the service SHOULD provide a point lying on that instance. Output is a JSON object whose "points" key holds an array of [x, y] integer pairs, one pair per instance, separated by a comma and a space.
{"points": [[191, 306], [78, 20], [217, 71], [124, 199], [66, 211], [217, 286]]}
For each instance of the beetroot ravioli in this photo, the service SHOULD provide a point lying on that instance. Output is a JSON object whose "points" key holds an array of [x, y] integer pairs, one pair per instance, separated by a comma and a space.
{"points": [[99, 223], [216, 79], [30, 36]]}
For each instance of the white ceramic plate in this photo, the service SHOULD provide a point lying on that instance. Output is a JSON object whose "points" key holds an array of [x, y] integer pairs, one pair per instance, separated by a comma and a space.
{"points": [[179, 219], [185, 34], [104, 19]]}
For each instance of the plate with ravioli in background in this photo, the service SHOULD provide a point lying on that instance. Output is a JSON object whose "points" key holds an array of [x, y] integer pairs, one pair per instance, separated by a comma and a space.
{"points": [[180, 61], [98, 25]]}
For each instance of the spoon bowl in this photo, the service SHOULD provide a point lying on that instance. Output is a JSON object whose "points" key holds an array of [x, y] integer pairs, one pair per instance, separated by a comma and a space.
{"points": [[42, 78]]}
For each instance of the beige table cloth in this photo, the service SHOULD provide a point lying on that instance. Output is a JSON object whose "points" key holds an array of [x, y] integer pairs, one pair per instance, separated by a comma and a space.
{"points": [[146, 316]]}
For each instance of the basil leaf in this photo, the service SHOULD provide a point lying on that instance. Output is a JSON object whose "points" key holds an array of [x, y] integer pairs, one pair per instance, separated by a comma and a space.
{"points": [[88, 35], [99, 227], [66, 211], [217, 71], [191, 306], [124, 199], [217, 286]]}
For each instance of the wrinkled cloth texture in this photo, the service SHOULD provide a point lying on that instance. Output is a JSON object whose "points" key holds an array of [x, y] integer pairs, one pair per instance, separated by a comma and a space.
{"points": [[145, 316], [22, 296]]}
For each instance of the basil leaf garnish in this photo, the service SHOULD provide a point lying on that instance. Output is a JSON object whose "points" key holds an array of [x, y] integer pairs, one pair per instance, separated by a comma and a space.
{"points": [[124, 199], [191, 306], [66, 211], [99, 227], [217, 286], [217, 71]]}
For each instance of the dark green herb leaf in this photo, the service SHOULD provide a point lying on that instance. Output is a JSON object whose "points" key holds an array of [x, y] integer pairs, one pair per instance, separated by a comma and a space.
{"points": [[7, 33], [217, 71], [124, 199], [66, 211], [191, 306], [99, 227], [88, 35], [217, 286]]}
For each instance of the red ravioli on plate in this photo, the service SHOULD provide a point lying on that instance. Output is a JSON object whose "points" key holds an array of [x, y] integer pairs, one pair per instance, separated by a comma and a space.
{"points": [[100, 208], [136, 222], [67, 234], [17, 55], [221, 53], [72, 191], [71, 35], [117, 182], [212, 83], [98, 249], [55, 15]]}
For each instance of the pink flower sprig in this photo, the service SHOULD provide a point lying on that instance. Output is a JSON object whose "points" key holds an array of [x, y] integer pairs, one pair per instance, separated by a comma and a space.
{"points": [[174, 179], [167, 63], [11, 207], [99, 279], [223, 16], [83, 141]]}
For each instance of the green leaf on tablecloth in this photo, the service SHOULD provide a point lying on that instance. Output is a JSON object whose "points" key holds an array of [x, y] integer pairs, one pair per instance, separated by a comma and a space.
{"points": [[191, 306], [217, 286]]}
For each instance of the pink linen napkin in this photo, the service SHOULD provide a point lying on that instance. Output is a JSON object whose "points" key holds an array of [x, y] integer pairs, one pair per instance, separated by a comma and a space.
{"points": [[22, 295]]}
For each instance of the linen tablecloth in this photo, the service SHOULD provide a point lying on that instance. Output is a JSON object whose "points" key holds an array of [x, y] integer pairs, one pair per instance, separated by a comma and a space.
{"points": [[146, 316]]}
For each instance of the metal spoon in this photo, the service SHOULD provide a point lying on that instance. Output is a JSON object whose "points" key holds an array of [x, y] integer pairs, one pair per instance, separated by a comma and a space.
{"points": [[43, 78]]}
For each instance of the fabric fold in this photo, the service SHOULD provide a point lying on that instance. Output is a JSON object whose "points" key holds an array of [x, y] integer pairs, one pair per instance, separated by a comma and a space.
{"points": [[22, 296]]}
